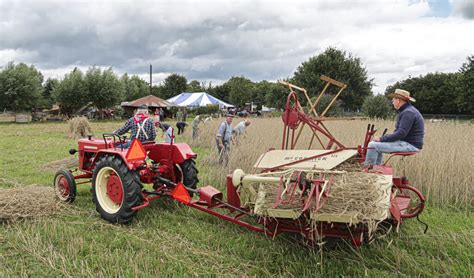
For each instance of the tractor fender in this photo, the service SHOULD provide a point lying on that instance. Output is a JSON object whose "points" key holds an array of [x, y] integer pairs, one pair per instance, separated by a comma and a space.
{"points": [[118, 153], [179, 152]]}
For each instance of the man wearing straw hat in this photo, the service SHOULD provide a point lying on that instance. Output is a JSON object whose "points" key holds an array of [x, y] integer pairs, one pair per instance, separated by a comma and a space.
{"points": [[408, 134]]}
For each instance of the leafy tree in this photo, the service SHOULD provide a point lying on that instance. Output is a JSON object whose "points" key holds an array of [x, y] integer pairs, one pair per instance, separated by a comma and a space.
{"points": [[340, 66], [377, 107], [276, 96], [174, 85], [47, 93], [334, 110], [465, 97], [134, 87], [240, 90], [194, 86], [158, 91], [261, 89], [221, 92], [20, 87], [435, 93], [103, 87], [71, 93]]}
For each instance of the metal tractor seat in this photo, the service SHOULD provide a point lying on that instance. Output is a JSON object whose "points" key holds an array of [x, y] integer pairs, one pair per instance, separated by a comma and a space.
{"points": [[402, 154]]}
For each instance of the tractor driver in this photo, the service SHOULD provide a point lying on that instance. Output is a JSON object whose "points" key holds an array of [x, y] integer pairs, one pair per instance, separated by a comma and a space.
{"points": [[141, 127], [408, 134]]}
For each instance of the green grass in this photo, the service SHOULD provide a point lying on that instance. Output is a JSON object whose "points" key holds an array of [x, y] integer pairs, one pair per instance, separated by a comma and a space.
{"points": [[169, 239]]}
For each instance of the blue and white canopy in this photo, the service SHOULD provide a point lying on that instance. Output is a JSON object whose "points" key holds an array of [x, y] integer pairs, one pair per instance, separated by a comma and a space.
{"points": [[197, 100]]}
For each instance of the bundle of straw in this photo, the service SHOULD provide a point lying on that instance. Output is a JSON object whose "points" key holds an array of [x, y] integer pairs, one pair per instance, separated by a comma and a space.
{"points": [[79, 127], [27, 202]]}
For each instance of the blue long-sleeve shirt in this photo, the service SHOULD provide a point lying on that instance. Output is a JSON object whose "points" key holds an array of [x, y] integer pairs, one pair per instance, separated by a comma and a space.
{"points": [[410, 127]]}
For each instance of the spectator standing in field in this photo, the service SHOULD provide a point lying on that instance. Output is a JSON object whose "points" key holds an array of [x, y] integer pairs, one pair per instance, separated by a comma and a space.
{"points": [[140, 125], [179, 116], [195, 125], [162, 114], [408, 134], [239, 129], [224, 138]]}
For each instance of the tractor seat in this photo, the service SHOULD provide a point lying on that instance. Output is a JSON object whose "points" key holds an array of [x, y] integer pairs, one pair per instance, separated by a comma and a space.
{"points": [[403, 154], [148, 142]]}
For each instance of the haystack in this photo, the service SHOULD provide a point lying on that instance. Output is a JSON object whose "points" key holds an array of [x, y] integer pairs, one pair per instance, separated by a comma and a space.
{"points": [[26, 202], [79, 127]]}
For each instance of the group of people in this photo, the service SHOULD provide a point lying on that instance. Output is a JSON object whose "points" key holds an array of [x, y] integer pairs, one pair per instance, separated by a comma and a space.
{"points": [[407, 137], [227, 135]]}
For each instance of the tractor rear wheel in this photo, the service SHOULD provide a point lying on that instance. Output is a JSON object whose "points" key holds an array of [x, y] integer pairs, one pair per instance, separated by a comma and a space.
{"points": [[189, 174], [65, 186], [115, 190]]}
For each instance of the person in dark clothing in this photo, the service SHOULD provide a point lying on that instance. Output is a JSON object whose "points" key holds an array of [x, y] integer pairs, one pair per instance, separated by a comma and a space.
{"points": [[408, 134], [181, 126]]}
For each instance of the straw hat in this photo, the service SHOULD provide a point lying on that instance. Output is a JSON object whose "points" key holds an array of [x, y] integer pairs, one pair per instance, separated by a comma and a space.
{"points": [[402, 94]]}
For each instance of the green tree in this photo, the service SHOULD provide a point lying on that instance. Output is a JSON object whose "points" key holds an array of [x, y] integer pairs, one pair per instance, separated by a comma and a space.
{"points": [[174, 85], [465, 96], [377, 107], [240, 90], [261, 89], [194, 86], [334, 110], [276, 96], [340, 66], [435, 93], [221, 92], [47, 93], [71, 93], [134, 87], [20, 87], [104, 88]]}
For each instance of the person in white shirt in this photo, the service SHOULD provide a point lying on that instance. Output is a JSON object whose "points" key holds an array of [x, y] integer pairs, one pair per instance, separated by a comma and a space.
{"points": [[224, 138], [240, 128]]}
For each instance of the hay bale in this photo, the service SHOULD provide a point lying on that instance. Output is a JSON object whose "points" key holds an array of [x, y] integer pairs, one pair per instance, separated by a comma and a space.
{"points": [[79, 127], [26, 202]]}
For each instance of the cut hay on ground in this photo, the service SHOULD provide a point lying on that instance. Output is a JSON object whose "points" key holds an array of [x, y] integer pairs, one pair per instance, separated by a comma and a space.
{"points": [[67, 163], [79, 127], [26, 202]]}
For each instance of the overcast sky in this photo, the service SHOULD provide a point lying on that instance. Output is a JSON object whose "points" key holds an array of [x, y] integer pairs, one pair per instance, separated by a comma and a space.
{"points": [[215, 40]]}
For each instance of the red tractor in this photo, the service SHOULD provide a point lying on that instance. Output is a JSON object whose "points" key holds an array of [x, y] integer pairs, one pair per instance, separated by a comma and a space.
{"points": [[118, 174]]}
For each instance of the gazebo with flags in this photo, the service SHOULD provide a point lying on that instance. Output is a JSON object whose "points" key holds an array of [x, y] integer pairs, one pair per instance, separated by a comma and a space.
{"points": [[198, 100]]}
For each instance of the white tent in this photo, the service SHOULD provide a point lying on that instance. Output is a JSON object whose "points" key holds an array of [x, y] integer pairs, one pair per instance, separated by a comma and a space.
{"points": [[197, 100]]}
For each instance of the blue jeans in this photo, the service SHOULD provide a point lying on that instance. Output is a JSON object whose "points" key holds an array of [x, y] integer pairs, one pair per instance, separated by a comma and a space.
{"points": [[124, 145], [377, 149]]}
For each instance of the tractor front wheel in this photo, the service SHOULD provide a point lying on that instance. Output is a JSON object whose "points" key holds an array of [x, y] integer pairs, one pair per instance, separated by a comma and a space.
{"points": [[65, 186], [115, 190]]}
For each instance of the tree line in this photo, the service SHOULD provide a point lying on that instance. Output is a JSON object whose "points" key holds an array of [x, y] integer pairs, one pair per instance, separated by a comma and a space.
{"points": [[22, 87]]}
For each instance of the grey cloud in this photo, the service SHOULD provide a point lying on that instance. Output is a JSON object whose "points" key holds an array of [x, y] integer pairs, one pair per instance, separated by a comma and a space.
{"points": [[204, 41], [464, 8]]}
